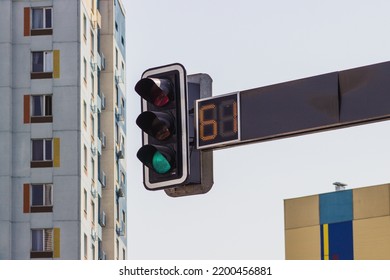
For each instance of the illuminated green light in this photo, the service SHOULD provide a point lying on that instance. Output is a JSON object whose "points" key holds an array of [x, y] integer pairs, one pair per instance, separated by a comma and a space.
{"points": [[160, 163]]}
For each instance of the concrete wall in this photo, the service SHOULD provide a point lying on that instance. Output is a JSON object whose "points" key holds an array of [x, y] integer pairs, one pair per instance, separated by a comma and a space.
{"points": [[65, 127]]}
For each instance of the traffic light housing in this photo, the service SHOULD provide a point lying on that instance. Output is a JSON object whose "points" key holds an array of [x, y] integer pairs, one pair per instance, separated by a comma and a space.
{"points": [[200, 179], [164, 122]]}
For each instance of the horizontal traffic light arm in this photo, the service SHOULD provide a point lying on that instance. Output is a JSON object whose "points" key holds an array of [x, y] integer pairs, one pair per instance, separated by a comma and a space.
{"points": [[325, 102]]}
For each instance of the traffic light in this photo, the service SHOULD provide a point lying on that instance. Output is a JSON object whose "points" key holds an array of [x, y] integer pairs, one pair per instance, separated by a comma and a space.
{"points": [[164, 123]]}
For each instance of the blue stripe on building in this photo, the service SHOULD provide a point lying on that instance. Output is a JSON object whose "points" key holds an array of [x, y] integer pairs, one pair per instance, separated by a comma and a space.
{"points": [[337, 241]]}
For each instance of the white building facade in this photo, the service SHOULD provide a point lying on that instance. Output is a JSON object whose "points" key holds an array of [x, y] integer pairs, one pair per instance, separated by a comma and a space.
{"points": [[62, 130]]}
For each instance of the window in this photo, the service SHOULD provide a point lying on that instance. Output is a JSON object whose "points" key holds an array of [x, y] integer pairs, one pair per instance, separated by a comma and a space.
{"points": [[42, 150], [85, 200], [85, 113], [99, 160], [41, 198], [85, 71], [116, 58], [117, 249], [122, 146], [41, 108], [85, 27], [123, 105], [123, 224], [42, 153], [92, 43], [42, 21], [42, 62], [92, 85], [92, 128], [85, 159], [93, 212], [117, 133], [41, 243], [93, 169], [85, 246], [93, 252], [41, 105], [117, 210], [123, 178], [99, 132], [116, 95], [123, 72]]}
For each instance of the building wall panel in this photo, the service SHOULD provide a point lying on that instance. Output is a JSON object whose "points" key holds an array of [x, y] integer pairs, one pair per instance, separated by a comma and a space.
{"points": [[371, 202], [63, 11], [372, 238], [26, 198], [303, 243], [301, 212], [26, 29], [57, 243], [56, 64], [57, 158], [336, 207]]}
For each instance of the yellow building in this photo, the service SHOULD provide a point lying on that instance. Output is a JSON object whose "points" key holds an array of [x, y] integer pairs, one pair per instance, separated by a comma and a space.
{"points": [[347, 224]]}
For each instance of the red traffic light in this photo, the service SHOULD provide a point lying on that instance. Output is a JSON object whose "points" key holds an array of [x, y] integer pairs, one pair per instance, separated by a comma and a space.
{"points": [[156, 91]]}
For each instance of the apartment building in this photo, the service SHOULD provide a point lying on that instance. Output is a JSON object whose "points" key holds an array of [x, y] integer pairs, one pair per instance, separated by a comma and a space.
{"points": [[62, 129], [349, 224]]}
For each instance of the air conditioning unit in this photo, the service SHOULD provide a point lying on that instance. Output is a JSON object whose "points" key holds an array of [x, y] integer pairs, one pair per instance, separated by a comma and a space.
{"points": [[99, 61], [103, 139], [119, 114], [102, 255], [93, 108], [103, 179], [103, 63], [93, 65], [103, 218], [119, 230], [120, 191], [93, 150], [121, 152], [118, 78], [93, 192], [103, 100], [93, 234]]}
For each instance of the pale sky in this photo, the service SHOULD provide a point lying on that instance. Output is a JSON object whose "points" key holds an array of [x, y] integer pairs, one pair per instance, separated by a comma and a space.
{"points": [[242, 45]]}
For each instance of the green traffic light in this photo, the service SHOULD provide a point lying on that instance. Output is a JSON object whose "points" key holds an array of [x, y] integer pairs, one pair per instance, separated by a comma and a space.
{"points": [[160, 163]]}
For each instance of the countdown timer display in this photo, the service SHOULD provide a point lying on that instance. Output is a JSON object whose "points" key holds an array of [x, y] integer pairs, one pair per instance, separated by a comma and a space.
{"points": [[217, 121]]}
